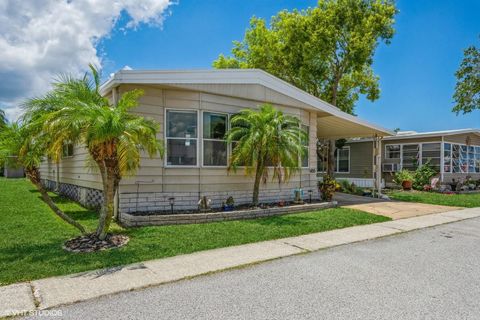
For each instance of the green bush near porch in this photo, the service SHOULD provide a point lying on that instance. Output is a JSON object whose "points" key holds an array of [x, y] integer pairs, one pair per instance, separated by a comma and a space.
{"points": [[468, 200], [32, 236]]}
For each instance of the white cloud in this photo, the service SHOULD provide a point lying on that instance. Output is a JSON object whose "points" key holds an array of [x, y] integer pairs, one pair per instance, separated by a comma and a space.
{"points": [[40, 39]]}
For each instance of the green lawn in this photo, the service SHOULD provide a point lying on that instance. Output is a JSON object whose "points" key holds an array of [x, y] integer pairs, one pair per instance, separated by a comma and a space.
{"points": [[469, 200], [31, 236]]}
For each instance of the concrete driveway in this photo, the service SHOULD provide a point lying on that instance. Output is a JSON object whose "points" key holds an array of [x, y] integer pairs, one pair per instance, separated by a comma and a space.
{"points": [[389, 208]]}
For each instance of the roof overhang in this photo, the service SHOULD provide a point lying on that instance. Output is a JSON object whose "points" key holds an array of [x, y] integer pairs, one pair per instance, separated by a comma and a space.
{"points": [[331, 121]]}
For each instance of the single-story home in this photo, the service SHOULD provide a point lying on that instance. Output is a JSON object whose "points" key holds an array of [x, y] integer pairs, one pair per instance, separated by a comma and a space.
{"points": [[193, 109], [454, 154]]}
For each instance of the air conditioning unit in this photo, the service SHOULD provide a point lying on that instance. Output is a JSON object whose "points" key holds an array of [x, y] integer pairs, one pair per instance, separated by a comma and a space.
{"points": [[391, 167]]}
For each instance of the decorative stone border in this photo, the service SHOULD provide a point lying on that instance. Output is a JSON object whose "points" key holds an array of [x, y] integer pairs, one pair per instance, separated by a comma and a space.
{"points": [[130, 220]]}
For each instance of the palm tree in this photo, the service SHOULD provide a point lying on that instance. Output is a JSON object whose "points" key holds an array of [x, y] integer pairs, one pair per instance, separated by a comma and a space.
{"points": [[75, 112], [266, 138], [20, 147], [3, 118]]}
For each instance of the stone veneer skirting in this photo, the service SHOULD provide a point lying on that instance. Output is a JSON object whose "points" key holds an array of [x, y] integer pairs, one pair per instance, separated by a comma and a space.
{"points": [[87, 197], [131, 220], [158, 201]]}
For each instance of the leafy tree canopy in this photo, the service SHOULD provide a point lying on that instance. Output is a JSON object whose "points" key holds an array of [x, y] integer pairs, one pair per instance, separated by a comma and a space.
{"points": [[327, 50], [467, 89]]}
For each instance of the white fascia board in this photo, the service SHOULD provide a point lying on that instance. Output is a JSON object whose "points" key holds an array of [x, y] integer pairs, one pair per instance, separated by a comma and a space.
{"points": [[231, 76], [445, 133], [433, 134]]}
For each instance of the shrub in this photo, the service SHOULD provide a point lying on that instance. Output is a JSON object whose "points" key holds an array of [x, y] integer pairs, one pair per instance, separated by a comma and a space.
{"points": [[423, 175], [348, 187], [327, 188]]}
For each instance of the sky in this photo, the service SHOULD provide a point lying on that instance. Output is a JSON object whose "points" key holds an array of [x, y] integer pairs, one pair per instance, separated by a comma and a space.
{"points": [[40, 39]]}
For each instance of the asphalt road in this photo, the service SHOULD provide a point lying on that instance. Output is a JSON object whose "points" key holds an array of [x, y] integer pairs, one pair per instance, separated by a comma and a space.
{"points": [[428, 274]]}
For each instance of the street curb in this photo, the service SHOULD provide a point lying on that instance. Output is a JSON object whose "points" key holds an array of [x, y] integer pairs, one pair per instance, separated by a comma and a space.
{"points": [[57, 291]]}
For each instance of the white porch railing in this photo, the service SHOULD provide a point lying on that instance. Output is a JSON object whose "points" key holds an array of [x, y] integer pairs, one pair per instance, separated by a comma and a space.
{"points": [[360, 182]]}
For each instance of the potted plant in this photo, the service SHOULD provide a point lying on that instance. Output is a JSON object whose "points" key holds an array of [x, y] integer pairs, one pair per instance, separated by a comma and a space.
{"points": [[229, 204], [204, 204], [405, 179]]}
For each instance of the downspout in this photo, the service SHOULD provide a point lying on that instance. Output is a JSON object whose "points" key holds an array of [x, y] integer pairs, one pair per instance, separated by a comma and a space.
{"points": [[378, 165], [116, 198], [442, 160]]}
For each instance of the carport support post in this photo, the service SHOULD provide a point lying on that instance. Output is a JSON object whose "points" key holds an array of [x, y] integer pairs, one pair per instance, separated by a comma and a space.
{"points": [[377, 155]]}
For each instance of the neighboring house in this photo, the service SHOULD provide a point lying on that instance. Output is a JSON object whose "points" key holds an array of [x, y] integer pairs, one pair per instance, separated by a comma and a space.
{"points": [[454, 154], [194, 109]]}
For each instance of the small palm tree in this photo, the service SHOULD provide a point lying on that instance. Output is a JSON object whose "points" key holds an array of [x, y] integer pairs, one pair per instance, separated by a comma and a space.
{"points": [[21, 147], [75, 112], [266, 138]]}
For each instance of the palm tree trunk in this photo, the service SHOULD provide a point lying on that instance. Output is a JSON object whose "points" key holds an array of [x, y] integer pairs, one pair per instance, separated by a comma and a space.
{"points": [[106, 213], [34, 177], [256, 185]]}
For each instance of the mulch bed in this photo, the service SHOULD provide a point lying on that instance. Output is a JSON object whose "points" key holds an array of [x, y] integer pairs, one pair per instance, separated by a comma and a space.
{"points": [[90, 243]]}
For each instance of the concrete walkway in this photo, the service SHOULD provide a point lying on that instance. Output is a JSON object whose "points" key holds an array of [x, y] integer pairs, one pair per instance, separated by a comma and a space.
{"points": [[57, 291], [389, 208]]}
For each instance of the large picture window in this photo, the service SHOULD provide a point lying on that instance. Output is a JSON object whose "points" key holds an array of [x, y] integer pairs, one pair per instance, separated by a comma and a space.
{"points": [[182, 136], [214, 144]]}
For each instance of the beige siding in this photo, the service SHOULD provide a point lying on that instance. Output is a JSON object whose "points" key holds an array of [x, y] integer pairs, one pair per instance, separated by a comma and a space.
{"points": [[473, 139], [153, 176]]}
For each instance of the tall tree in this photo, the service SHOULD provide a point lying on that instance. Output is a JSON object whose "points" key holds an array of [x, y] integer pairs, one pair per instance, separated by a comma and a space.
{"points": [[327, 50], [266, 138], [467, 89], [75, 112], [20, 146]]}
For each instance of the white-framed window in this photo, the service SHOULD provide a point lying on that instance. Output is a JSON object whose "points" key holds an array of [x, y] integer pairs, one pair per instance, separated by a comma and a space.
{"points": [[410, 156], [392, 151], [67, 150], [214, 143], [181, 137], [305, 144], [342, 160], [458, 158], [431, 153], [447, 157]]}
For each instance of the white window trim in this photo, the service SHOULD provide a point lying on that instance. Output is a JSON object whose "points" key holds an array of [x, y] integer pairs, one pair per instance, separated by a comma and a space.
{"points": [[393, 144], [204, 139], [336, 160], [467, 159], [420, 149], [73, 151], [165, 129]]}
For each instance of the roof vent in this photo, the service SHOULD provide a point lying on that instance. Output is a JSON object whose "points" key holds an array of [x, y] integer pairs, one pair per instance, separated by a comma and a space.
{"points": [[406, 133]]}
